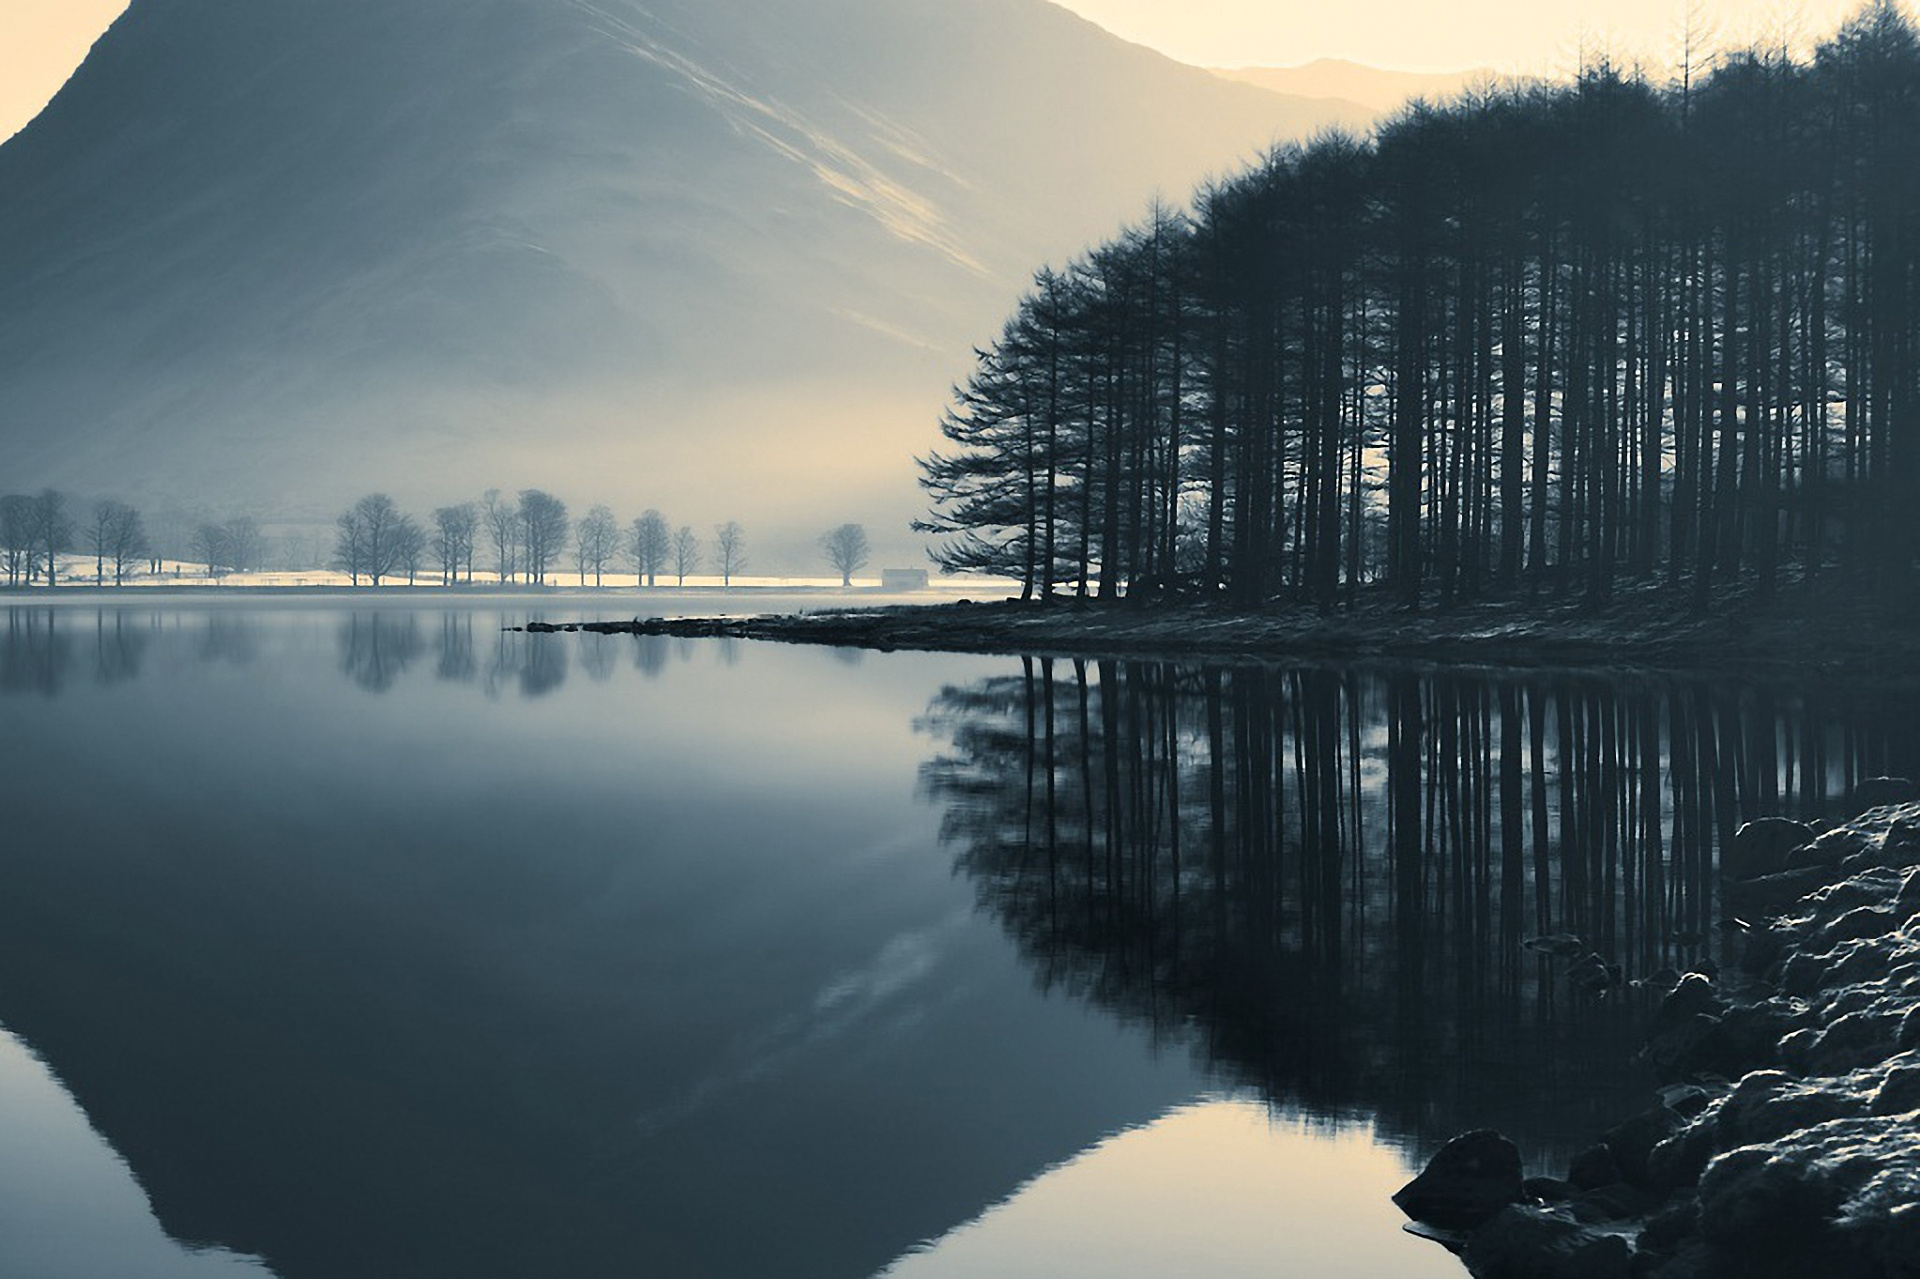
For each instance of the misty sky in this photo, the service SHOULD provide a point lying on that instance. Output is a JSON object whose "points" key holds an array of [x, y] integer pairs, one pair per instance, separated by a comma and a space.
{"points": [[1524, 36], [41, 41]]}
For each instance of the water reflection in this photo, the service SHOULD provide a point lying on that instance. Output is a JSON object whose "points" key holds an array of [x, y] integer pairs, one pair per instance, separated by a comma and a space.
{"points": [[667, 966], [42, 649], [457, 662], [1321, 879], [377, 648], [229, 638], [118, 647], [37, 655]]}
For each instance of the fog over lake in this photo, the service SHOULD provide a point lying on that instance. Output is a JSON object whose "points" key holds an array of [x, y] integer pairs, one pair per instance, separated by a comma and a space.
{"points": [[349, 939]]}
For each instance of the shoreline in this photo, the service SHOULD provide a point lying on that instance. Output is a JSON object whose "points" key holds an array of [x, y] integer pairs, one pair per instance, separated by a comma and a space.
{"points": [[1786, 1140], [1803, 636]]}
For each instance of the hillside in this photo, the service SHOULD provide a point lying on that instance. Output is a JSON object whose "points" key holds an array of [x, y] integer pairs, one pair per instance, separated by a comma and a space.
{"points": [[721, 257], [1379, 89]]}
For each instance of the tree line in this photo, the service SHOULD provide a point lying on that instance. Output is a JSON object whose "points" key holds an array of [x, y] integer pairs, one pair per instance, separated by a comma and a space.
{"points": [[531, 537], [527, 538], [36, 529], [1537, 339]]}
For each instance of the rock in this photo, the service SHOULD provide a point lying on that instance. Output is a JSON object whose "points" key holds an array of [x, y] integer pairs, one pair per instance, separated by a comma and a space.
{"points": [[1821, 852], [1807, 1167], [1672, 1224], [1761, 847], [1548, 1189], [1632, 1142], [1694, 995], [1593, 975], [1616, 1202], [1592, 1168], [1899, 1092], [1858, 923], [1770, 894], [1545, 1243], [1883, 792], [1466, 1183], [1761, 951], [1685, 1048]]}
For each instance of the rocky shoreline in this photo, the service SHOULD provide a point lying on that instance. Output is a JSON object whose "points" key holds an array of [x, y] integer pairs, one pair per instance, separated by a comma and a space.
{"points": [[1648, 630], [1786, 1142]]}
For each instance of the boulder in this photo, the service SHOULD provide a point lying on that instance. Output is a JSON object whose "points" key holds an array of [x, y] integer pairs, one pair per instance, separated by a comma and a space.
{"points": [[1883, 792], [1467, 1182], [1593, 1167], [1545, 1243], [1761, 847]]}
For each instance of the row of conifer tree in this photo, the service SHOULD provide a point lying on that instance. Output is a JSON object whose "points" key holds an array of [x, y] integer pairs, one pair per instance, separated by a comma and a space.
{"points": [[1540, 338]]}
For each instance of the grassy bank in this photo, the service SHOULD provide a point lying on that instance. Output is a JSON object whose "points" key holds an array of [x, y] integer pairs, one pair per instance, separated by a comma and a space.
{"points": [[1806, 632]]}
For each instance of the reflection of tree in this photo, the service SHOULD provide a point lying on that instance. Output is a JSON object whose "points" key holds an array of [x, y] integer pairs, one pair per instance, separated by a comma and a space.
{"points": [[118, 647], [228, 638], [543, 667], [597, 656], [537, 663], [376, 648], [650, 654], [35, 657], [1321, 879], [456, 647]]}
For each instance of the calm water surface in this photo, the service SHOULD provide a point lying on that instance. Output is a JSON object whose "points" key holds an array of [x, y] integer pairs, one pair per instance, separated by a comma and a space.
{"points": [[366, 941]]}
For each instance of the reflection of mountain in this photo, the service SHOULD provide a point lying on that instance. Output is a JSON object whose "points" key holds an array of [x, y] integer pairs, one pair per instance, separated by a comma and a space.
{"points": [[430, 985], [282, 251], [1321, 879]]}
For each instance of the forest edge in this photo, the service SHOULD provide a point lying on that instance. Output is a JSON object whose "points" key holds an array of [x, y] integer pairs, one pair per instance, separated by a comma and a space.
{"points": [[1809, 632]]}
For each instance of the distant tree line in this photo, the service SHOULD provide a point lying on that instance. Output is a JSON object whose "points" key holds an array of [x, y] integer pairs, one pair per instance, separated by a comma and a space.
{"points": [[526, 539], [1533, 340], [35, 530]]}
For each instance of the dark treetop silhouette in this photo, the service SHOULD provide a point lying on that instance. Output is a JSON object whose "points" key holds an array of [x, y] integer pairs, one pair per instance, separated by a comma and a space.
{"points": [[1540, 339]]}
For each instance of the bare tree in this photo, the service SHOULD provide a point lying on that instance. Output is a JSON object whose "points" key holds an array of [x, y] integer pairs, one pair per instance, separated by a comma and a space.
{"points": [[594, 543], [246, 546], [209, 546], [686, 554], [648, 545], [16, 537], [52, 530], [350, 546], [373, 541], [453, 535], [117, 534], [543, 531], [503, 527], [409, 547], [846, 549], [730, 542]]}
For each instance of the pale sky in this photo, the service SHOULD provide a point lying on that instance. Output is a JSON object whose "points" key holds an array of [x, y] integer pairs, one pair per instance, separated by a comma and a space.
{"points": [[41, 41], [1531, 37]]}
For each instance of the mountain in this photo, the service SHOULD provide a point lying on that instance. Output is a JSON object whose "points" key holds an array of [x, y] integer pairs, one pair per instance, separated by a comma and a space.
{"points": [[720, 256], [1379, 89]]}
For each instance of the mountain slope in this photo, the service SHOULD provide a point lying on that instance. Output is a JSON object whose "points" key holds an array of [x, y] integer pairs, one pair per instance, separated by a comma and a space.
{"points": [[722, 257], [1378, 88]]}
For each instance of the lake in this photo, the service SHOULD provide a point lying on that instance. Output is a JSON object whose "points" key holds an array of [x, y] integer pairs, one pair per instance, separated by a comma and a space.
{"points": [[366, 938]]}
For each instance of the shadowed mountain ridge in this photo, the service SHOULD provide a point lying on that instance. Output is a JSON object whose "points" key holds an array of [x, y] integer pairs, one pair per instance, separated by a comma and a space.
{"points": [[277, 254]]}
